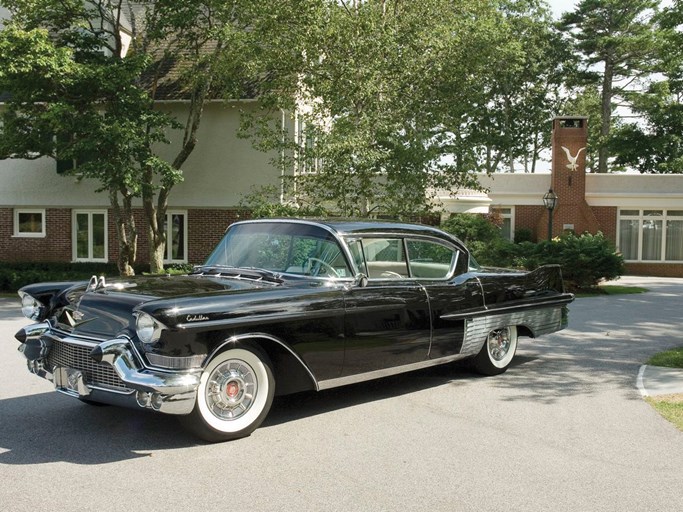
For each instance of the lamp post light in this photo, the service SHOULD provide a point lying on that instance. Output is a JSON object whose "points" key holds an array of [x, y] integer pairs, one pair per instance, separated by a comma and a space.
{"points": [[550, 202]]}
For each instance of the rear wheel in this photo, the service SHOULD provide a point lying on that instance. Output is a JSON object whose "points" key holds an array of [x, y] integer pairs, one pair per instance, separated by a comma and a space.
{"points": [[234, 396], [498, 351]]}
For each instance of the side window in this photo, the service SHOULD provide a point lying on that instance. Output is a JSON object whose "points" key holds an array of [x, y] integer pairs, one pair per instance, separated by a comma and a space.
{"points": [[356, 248], [430, 260], [315, 257], [385, 258]]}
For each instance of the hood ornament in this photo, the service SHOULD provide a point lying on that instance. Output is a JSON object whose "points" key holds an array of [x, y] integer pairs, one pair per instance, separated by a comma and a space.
{"points": [[100, 284], [96, 284]]}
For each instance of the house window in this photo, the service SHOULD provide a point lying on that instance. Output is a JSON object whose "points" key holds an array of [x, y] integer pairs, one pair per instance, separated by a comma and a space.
{"points": [[651, 235], [306, 160], [90, 235], [176, 237], [507, 217], [29, 223]]}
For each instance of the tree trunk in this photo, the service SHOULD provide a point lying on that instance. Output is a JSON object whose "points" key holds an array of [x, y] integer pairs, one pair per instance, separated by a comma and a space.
{"points": [[605, 116], [125, 229], [156, 216]]}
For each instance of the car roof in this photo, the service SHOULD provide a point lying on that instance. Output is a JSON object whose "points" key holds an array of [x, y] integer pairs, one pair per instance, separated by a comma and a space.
{"points": [[350, 227]]}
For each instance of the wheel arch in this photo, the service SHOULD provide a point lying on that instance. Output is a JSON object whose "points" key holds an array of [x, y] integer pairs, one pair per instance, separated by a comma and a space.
{"points": [[290, 372], [525, 330]]}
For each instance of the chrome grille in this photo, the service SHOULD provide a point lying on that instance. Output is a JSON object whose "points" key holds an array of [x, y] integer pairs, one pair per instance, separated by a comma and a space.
{"points": [[69, 355]]}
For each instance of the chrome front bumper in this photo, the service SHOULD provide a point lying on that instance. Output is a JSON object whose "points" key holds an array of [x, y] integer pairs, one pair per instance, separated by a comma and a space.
{"points": [[109, 372]]}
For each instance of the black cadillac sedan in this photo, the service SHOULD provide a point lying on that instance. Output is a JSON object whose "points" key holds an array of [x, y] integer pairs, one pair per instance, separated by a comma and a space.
{"points": [[282, 306]]}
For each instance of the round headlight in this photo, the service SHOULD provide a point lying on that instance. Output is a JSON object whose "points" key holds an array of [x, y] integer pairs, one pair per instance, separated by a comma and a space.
{"points": [[30, 307], [147, 328]]}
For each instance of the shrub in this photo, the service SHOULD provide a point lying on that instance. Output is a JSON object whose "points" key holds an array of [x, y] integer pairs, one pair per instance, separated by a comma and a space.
{"points": [[585, 260], [523, 235], [15, 275], [472, 228]]}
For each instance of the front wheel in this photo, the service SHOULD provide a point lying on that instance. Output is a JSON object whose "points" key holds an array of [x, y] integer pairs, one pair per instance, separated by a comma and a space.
{"points": [[498, 350], [234, 396]]}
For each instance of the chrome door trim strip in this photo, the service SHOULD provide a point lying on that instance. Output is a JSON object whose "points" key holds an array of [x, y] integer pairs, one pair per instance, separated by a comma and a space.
{"points": [[386, 372]]}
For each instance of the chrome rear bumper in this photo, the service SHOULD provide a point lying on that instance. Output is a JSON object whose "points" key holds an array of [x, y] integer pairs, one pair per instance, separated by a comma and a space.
{"points": [[110, 372]]}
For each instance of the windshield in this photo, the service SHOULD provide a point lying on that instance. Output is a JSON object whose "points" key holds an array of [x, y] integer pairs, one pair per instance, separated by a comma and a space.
{"points": [[299, 249]]}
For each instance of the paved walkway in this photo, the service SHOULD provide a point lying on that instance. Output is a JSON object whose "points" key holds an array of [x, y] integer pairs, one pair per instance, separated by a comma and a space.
{"points": [[657, 380]]}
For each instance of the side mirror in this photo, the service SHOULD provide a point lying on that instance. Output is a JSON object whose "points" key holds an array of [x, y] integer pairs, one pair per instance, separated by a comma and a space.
{"points": [[361, 281]]}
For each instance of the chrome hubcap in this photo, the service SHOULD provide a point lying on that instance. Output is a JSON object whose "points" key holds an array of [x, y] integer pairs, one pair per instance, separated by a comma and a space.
{"points": [[231, 389], [499, 344]]}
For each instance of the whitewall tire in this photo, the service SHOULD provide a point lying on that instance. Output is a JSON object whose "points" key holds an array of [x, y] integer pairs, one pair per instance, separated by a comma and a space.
{"points": [[497, 352], [234, 396]]}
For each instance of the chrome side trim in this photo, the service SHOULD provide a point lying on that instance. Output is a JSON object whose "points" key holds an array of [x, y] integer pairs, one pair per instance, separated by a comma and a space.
{"points": [[253, 336], [386, 372], [541, 305], [539, 321]]}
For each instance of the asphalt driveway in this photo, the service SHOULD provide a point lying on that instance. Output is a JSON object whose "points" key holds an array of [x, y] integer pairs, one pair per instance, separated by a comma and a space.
{"points": [[564, 429]]}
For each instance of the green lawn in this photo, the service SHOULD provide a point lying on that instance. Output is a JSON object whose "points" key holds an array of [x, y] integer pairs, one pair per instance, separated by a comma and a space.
{"points": [[671, 358], [611, 289], [670, 407]]}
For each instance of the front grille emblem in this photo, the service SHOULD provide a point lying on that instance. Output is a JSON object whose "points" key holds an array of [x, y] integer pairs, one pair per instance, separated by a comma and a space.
{"points": [[74, 318]]}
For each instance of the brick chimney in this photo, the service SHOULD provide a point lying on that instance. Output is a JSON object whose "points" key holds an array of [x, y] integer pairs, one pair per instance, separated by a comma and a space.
{"points": [[572, 213]]}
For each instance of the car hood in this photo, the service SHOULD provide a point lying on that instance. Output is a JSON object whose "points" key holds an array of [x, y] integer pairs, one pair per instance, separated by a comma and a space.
{"points": [[108, 311]]}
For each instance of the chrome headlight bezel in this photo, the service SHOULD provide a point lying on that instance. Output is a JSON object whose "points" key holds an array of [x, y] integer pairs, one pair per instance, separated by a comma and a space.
{"points": [[31, 307], [147, 328]]}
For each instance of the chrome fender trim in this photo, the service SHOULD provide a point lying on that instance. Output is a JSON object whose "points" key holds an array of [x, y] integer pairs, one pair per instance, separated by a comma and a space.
{"points": [[255, 336]]}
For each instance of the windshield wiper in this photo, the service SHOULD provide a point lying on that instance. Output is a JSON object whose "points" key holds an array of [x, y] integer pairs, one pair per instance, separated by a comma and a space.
{"points": [[239, 272]]}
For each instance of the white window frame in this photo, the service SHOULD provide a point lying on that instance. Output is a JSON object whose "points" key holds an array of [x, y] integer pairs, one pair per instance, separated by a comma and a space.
{"points": [[74, 236], [167, 252], [19, 234], [641, 217], [497, 209]]}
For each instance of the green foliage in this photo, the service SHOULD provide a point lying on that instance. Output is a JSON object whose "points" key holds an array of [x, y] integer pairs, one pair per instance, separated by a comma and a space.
{"points": [[78, 94], [472, 228], [586, 260], [616, 43], [523, 235], [671, 358], [15, 275], [265, 202], [655, 144], [393, 100]]}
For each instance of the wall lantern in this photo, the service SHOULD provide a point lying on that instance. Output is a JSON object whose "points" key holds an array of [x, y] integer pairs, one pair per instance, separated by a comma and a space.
{"points": [[550, 202]]}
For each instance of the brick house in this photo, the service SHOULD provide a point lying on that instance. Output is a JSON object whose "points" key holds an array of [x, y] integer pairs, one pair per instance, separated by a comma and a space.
{"points": [[48, 217], [642, 214]]}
